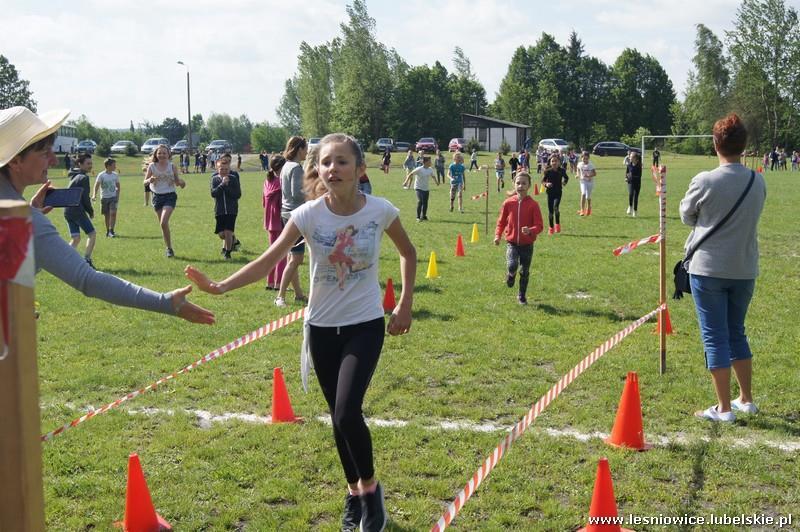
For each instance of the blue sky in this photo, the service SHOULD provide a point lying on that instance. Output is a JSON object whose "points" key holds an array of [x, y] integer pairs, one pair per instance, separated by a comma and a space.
{"points": [[115, 61]]}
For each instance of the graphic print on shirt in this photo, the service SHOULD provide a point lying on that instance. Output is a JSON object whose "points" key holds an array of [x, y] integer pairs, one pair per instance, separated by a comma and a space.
{"points": [[349, 251]]}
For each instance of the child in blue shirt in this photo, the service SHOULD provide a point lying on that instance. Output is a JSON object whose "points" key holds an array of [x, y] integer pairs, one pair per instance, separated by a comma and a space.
{"points": [[458, 181]]}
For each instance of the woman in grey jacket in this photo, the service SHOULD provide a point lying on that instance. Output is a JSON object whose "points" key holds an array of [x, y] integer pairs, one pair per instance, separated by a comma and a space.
{"points": [[724, 268], [26, 152]]}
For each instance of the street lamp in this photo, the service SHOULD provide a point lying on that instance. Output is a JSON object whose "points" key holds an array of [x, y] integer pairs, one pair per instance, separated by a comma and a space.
{"points": [[188, 106]]}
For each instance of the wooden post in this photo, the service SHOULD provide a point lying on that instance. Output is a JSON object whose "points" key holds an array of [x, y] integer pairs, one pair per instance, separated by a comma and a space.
{"points": [[662, 272], [22, 499], [486, 207]]}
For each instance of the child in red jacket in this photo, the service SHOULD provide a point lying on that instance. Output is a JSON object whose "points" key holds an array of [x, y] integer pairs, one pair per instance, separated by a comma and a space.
{"points": [[521, 220]]}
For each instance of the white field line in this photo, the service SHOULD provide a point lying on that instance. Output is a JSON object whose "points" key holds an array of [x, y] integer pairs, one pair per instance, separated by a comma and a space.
{"points": [[206, 419]]}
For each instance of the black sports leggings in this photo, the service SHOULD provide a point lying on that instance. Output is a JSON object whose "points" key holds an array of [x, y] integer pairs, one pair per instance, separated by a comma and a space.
{"points": [[422, 203], [633, 194], [344, 361], [553, 202]]}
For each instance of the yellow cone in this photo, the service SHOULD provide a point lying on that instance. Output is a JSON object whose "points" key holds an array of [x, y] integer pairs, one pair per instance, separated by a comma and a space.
{"points": [[433, 271], [474, 233]]}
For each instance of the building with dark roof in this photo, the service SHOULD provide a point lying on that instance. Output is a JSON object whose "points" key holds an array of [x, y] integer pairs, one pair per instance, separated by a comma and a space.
{"points": [[491, 132]]}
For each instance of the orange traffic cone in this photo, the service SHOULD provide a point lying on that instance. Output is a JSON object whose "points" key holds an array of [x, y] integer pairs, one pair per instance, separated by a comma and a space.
{"points": [[628, 431], [459, 246], [140, 515], [388, 299], [536, 189], [281, 406], [667, 323], [604, 505]]}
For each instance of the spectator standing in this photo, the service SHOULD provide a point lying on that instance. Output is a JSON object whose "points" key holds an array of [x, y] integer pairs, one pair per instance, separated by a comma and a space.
{"points": [[271, 201], [439, 167], [656, 157], [723, 269], [292, 197]]}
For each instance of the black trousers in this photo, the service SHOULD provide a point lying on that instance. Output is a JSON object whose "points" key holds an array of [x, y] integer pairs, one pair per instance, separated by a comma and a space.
{"points": [[344, 360], [633, 193], [553, 203], [422, 203]]}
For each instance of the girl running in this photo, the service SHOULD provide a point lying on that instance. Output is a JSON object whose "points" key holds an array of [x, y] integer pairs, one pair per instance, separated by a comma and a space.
{"points": [[554, 179], [161, 178]]}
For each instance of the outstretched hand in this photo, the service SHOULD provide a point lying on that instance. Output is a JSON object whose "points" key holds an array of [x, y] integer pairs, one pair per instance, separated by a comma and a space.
{"points": [[189, 311], [202, 281], [37, 201]]}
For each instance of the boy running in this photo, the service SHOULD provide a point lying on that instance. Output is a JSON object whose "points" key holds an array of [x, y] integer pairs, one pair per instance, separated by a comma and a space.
{"points": [[108, 183]]}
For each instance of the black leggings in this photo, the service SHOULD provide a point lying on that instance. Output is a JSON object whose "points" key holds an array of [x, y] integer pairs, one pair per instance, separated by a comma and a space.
{"points": [[439, 174], [633, 194], [422, 203], [553, 202], [344, 361]]}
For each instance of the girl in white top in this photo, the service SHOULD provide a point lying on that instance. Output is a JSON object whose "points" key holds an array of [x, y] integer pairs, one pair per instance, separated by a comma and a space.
{"points": [[422, 177], [586, 175], [345, 316], [162, 177]]}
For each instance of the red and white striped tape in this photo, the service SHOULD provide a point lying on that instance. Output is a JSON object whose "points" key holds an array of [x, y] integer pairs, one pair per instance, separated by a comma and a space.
{"points": [[518, 429], [216, 353], [479, 196], [630, 246]]}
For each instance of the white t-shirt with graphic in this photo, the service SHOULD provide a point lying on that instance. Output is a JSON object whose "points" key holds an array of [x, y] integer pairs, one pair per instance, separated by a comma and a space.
{"points": [[108, 184], [422, 178], [344, 260], [585, 171]]}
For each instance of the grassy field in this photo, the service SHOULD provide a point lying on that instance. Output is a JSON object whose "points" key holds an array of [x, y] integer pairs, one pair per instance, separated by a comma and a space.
{"points": [[473, 356]]}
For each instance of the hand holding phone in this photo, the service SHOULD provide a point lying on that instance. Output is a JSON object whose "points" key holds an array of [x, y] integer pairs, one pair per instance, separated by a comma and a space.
{"points": [[62, 197]]}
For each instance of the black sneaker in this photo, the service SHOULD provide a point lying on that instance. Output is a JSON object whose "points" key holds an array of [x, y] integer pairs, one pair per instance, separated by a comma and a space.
{"points": [[170, 253], [351, 520], [112, 234], [89, 262], [222, 251], [522, 300], [373, 511], [237, 245], [510, 280], [227, 255]]}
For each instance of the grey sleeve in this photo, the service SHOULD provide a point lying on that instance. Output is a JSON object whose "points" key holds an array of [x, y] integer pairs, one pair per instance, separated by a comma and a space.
{"points": [[296, 179], [57, 257], [690, 202]]}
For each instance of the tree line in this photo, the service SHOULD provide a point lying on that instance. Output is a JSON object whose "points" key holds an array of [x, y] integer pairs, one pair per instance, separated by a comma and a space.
{"points": [[354, 83]]}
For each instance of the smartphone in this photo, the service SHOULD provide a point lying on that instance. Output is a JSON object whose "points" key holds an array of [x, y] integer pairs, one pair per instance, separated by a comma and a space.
{"points": [[63, 197]]}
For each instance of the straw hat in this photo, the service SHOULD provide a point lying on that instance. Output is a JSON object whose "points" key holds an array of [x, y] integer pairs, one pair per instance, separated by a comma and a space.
{"points": [[20, 127]]}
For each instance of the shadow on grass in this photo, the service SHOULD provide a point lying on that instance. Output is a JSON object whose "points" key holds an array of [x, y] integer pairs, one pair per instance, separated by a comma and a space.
{"points": [[121, 272], [136, 237], [393, 527], [425, 314], [690, 501], [788, 424], [589, 313], [429, 288]]}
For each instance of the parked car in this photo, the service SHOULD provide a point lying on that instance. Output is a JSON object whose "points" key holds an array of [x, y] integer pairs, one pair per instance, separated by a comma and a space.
{"points": [[427, 144], [313, 141], [122, 146], [384, 143], [402, 146], [219, 146], [457, 144], [180, 146], [613, 148], [86, 146], [150, 145], [554, 144]]}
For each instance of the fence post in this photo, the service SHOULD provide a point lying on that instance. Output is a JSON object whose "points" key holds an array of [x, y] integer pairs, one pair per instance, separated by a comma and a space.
{"points": [[22, 500]]}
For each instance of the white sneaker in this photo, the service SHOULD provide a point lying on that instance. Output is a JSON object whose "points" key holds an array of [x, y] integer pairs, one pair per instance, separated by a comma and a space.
{"points": [[747, 408], [712, 414], [633, 213], [280, 302], [629, 210]]}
